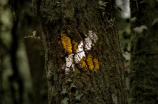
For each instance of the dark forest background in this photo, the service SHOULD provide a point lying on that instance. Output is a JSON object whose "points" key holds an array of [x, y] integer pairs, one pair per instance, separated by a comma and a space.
{"points": [[22, 73]]}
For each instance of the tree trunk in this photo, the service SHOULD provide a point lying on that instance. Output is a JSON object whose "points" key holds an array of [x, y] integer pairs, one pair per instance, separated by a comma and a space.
{"points": [[144, 53], [24, 25], [35, 53], [16, 76], [82, 52]]}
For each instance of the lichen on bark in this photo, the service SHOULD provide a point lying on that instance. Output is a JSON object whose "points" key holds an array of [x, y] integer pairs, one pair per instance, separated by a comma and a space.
{"points": [[75, 18]]}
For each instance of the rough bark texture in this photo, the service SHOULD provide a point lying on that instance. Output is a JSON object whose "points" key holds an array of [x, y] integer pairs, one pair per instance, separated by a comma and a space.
{"points": [[100, 74], [144, 53]]}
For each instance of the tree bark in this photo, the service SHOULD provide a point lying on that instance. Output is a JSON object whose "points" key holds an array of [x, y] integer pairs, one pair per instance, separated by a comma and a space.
{"points": [[144, 53], [82, 52]]}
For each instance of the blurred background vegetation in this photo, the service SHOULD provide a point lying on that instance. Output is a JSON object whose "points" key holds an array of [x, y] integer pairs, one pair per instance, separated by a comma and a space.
{"points": [[22, 73]]}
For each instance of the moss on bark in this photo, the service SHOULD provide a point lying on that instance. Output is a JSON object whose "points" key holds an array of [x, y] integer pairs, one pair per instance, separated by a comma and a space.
{"points": [[75, 19]]}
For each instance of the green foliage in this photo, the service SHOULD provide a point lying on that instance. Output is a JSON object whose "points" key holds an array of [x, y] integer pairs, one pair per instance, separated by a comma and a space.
{"points": [[78, 95], [140, 29], [65, 100], [64, 91], [72, 85], [69, 80], [133, 19], [102, 4], [155, 21], [143, 70]]}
